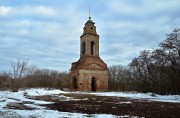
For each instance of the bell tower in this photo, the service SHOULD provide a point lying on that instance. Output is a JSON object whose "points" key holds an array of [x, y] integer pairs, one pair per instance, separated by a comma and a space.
{"points": [[89, 73], [89, 40]]}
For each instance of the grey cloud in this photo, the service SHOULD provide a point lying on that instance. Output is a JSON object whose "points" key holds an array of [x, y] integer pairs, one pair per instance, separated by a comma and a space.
{"points": [[52, 40]]}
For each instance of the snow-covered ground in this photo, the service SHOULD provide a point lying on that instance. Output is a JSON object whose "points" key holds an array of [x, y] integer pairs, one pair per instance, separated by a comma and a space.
{"points": [[7, 97], [53, 114], [133, 95], [148, 96]]}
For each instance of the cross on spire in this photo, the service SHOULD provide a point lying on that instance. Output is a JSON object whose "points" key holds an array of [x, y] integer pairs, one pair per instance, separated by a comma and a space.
{"points": [[89, 13]]}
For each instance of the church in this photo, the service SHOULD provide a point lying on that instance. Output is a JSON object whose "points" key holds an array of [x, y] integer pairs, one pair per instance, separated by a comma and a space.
{"points": [[89, 73]]}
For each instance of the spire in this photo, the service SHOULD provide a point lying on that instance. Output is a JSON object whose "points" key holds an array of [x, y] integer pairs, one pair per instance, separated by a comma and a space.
{"points": [[89, 20], [89, 13]]}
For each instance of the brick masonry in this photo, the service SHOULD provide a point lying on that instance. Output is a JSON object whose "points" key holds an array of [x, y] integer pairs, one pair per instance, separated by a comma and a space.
{"points": [[89, 73]]}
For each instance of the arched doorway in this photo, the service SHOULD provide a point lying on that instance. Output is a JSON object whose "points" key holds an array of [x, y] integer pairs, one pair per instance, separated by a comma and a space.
{"points": [[93, 84], [92, 48], [75, 83]]}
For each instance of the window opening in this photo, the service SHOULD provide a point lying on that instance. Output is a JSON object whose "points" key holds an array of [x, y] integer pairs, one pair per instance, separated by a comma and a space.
{"points": [[92, 48], [83, 48]]}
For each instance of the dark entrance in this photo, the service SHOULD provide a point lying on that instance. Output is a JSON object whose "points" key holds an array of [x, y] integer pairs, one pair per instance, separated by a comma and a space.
{"points": [[75, 83], [93, 84]]}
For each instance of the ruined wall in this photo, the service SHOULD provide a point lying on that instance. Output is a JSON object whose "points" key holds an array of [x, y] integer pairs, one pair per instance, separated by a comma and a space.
{"points": [[84, 82]]}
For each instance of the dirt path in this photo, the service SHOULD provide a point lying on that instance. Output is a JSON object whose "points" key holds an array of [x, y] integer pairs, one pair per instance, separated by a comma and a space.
{"points": [[92, 104]]}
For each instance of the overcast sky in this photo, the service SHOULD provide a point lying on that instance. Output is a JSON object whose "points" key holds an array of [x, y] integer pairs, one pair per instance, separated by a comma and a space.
{"points": [[47, 32]]}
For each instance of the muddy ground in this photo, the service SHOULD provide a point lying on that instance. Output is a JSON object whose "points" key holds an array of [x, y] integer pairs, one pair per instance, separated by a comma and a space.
{"points": [[91, 104]]}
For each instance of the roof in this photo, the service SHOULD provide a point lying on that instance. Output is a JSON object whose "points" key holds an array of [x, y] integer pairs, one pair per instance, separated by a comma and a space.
{"points": [[84, 61]]}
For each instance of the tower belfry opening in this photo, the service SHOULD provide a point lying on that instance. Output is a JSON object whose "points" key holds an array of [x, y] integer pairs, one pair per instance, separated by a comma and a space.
{"points": [[90, 72], [83, 48], [92, 48]]}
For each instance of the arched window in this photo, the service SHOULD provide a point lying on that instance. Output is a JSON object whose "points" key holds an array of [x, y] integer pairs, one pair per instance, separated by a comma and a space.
{"points": [[92, 48], [83, 48]]}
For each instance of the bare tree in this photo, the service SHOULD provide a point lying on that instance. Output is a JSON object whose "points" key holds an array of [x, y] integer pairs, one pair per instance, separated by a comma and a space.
{"points": [[118, 77], [19, 67], [158, 70], [5, 80]]}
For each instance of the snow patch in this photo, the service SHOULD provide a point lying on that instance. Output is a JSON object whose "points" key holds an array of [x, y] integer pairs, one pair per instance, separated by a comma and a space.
{"points": [[35, 106], [43, 91], [56, 114], [148, 96], [123, 103]]}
